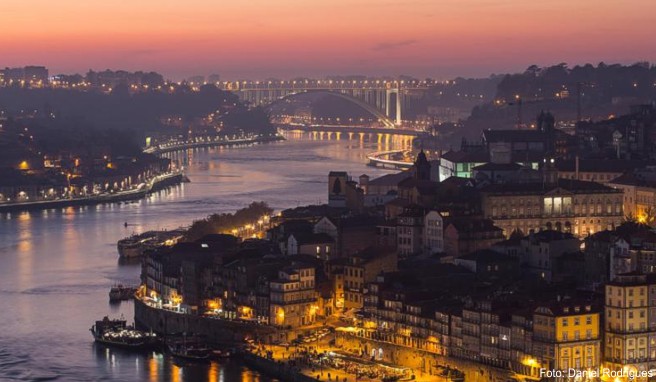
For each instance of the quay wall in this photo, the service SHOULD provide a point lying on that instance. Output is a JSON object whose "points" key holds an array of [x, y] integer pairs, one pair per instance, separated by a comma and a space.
{"points": [[216, 331], [421, 362], [275, 369]]}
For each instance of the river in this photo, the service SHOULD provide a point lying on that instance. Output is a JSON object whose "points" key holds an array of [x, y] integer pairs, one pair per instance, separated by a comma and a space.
{"points": [[56, 266]]}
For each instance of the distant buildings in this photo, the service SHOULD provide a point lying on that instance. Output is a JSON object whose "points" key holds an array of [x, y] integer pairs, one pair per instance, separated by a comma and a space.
{"points": [[28, 76]]}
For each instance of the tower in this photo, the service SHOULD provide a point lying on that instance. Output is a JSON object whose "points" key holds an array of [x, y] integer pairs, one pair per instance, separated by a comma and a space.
{"points": [[546, 123], [422, 167]]}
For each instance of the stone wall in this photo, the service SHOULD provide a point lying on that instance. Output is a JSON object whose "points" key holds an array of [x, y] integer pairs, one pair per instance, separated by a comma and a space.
{"points": [[215, 330]]}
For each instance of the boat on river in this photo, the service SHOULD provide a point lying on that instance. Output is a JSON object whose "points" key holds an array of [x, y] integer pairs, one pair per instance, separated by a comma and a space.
{"points": [[121, 292], [137, 245], [117, 333], [189, 351]]}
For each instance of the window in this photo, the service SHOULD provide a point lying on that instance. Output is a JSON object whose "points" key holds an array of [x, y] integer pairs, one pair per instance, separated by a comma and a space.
{"points": [[564, 322], [588, 319]]}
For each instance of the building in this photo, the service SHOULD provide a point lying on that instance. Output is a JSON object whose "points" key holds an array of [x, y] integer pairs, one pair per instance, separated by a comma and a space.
{"points": [[487, 264], [409, 231], [293, 297], [361, 269], [630, 323], [595, 170], [541, 250], [433, 235], [343, 192], [461, 163], [32, 76], [639, 188], [351, 234], [629, 136], [577, 207], [567, 335], [466, 235], [320, 245]]}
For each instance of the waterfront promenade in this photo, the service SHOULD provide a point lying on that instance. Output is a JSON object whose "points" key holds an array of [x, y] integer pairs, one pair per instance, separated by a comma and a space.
{"points": [[153, 184], [198, 142], [324, 362]]}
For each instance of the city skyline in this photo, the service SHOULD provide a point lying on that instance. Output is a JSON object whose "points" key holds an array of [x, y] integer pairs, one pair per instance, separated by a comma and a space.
{"points": [[256, 40]]}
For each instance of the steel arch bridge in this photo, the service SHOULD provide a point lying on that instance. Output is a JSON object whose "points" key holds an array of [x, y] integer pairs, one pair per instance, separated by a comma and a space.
{"points": [[384, 100], [384, 119]]}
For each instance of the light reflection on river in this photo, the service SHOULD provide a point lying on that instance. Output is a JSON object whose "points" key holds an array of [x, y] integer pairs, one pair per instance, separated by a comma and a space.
{"points": [[56, 266]]}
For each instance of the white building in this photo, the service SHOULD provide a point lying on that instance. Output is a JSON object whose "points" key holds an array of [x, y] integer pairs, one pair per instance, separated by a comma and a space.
{"points": [[433, 233]]}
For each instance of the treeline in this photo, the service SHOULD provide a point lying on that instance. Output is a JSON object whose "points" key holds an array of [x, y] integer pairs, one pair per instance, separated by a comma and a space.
{"points": [[119, 110], [139, 112], [226, 222], [599, 83]]}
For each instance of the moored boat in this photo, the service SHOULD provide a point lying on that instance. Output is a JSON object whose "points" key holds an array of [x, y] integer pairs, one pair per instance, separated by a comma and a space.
{"points": [[117, 333], [189, 351], [121, 293], [137, 245]]}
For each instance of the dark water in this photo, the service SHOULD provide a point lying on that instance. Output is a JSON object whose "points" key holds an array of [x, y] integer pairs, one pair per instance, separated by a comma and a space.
{"points": [[57, 266]]}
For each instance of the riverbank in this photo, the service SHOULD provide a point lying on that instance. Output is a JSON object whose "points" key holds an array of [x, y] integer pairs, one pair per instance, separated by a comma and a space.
{"points": [[216, 142], [60, 265], [157, 183]]}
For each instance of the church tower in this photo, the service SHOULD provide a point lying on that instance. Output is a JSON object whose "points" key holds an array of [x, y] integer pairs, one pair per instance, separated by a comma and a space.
{"points": [[422, 166]]}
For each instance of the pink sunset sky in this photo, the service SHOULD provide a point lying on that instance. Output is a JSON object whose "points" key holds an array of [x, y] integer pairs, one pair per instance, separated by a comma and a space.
{"points": [[286, 38]]}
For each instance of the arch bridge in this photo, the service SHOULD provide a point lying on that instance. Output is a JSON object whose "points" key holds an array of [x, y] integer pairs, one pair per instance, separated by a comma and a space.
{"points": [[384, 99]]}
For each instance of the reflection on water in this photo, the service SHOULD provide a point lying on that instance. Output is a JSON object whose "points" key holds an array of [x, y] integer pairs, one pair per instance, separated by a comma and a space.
{"points": [[56, 266]]}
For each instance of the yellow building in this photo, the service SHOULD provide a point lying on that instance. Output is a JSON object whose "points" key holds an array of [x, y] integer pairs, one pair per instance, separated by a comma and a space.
{"points": [[630, 344], [567, 335], [639, 196]]}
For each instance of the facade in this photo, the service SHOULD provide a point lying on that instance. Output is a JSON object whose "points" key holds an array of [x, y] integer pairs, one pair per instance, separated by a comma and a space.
{"points": [[467, 235], [343, 192], [293, 297], [572, 206], [541, 251], [460, 163], [409, 231], [320, 245], [567, 336], [433, 235], [639, 190], [362, 269], [351, 234], [630, 323], [595, 170]]}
